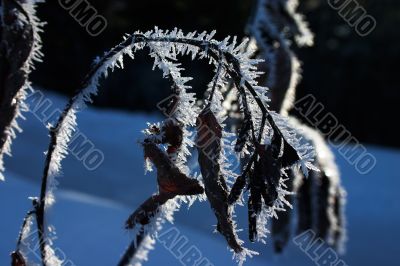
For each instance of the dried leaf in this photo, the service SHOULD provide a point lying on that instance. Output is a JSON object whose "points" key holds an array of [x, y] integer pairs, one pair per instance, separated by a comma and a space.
{"points": [[171, 183], [172, 135], [147, 210], [281, 227], [237, 189], [209, 148], [244, 133], [170, 179], [252, 219], [305, 203], [268, 172], [323, 222]]}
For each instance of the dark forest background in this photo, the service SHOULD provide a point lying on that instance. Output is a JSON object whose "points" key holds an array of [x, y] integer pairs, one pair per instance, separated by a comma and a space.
{"points": [[356, 78]]}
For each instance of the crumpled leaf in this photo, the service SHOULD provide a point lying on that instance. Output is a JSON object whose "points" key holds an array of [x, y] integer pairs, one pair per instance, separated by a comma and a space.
{"points": [[171, 183]]}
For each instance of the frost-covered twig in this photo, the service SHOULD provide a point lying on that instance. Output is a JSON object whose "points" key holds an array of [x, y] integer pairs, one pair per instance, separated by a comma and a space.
{"points": [[20, 46], [132, 249], [18, 257]]}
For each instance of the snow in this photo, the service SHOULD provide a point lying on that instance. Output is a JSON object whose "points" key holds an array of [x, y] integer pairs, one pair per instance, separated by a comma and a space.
{"points": [[91, 206]]}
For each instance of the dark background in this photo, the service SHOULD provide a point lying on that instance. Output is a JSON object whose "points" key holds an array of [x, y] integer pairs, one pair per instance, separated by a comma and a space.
{"points": [[356, 78]]}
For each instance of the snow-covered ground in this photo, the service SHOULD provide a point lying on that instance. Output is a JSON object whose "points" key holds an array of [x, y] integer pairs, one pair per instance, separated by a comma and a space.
{"points": [[93, 205]]}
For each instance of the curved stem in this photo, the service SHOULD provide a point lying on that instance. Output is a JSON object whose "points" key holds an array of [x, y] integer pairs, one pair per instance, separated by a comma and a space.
{"points": [[41, 205], [24, 224], [216, 78], [132, 248]]}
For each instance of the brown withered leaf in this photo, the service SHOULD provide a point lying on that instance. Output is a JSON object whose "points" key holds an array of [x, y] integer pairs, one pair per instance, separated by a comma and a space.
{"points": [[323, 222], [244, 133], [254, 209], [267, 173], [172, 135], [171, 183], [264, 181], [209, 135], [170, 179], [147, 210], [281, 227], [237, 189], [305, 203], [252, 216]]}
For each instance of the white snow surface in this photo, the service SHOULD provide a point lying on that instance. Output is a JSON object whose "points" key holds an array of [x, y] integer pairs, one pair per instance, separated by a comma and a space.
{"points": [[91, 206]]}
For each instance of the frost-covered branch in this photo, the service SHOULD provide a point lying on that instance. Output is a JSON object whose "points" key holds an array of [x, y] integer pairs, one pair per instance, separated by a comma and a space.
{"points": [[20, 46], [175, 186]]}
